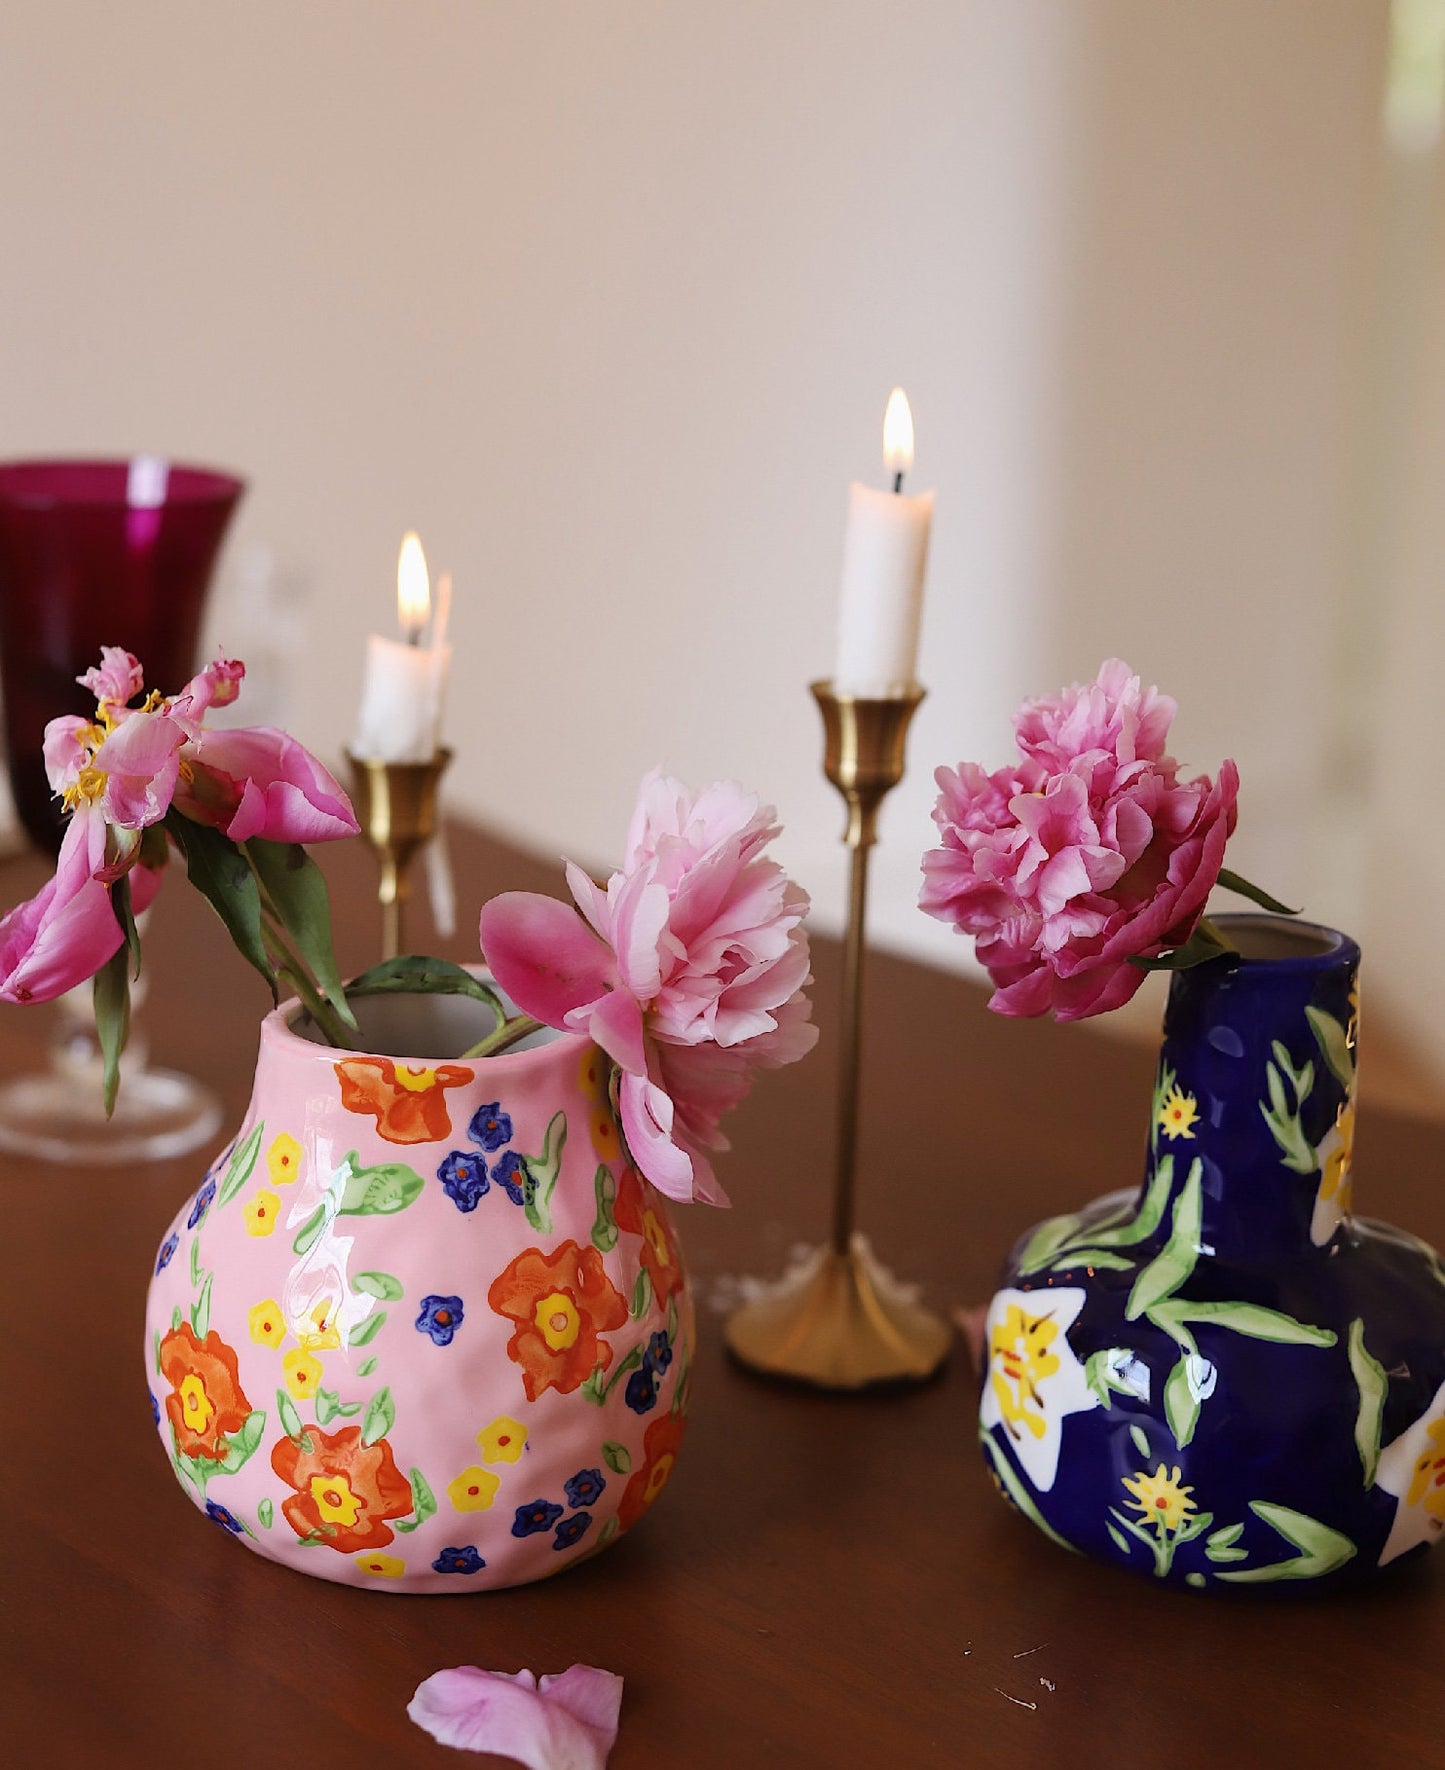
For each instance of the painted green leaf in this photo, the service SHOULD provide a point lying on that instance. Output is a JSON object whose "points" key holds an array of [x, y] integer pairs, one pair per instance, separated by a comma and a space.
{"points": [[641, 1295], [608, 1531], [313, 1228], [1196, 1526], [223, 876], [1174, 1262], [330, 1406], [1121, 1543], [423, 1503], [241, 1444], [175, 1318], [1018, 1493], [617, 1457], [1046, 1240], [1296, 1152], [156, 1352], [1372, 1383], [110, 996], [604, 1229], [201, 1309], [195, 1259], [381, 1191], [1097, 1257], [1096, 1375], [544, 1170], [286, 1413], [1322, 1550], [366, 1367], [1181, 1403], [1196, 1580], [379, 1284], [1224, 1553], [380, 1417], [238, 1169], [1226, 1537], [1141, 1442], [265, 1512], [296, 892], [1258, 1323], [1146, 1219], [366, 1331], [413, 975], [1334, 1044]]}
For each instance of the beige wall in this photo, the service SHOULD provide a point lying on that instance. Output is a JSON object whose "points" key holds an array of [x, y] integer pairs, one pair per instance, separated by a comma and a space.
{"points": [[606, 299]]}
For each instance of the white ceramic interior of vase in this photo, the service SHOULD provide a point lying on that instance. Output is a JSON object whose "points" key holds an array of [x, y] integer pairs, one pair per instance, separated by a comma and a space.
{"points": [[426, 1029], [1270, 937]]}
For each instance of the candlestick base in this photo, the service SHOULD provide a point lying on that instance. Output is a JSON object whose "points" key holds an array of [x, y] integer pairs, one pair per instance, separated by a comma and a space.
{"points": [[396, 806], [841, 1322]]}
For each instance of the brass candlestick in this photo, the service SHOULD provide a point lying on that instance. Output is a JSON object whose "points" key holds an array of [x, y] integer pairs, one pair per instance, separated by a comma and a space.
{"points": [[843, 1321], [396, 806]]}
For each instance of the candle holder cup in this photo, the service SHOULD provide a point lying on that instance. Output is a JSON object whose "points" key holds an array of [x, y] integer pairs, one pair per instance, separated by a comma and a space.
{"points": [[396, 806], [842, 1321]]}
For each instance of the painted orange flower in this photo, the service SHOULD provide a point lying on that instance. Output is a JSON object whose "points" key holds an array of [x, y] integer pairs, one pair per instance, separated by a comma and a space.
{"points": [[659, 1449], [206, 1401], [562, 1303], [409, 1104], [639, 1208], [344, 1490]]}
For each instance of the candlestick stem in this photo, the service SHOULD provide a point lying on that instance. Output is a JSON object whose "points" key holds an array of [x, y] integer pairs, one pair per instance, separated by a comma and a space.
{"points": [[396, 806], [842, 1321]]}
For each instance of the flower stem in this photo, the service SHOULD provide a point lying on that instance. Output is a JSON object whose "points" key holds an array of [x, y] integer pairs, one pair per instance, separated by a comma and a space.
{"points": [[503, 1037], [333, 1028]]}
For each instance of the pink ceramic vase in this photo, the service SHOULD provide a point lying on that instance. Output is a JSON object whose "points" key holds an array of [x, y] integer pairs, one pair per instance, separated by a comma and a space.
{"points": [[422, 1327]]}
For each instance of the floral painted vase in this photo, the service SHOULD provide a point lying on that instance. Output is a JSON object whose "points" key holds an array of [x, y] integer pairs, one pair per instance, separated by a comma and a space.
{"points": [[1227, 1380], [422, 1327]]}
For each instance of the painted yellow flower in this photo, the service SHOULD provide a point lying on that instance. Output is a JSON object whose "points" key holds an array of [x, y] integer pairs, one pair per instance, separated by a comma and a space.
{"points": [[557, 1320], [1427, 1482], [196, 1407], [383, 1566], [1159, 1498], [302, 1372], [605, 1140], [592, 1073], [334, 1501], [1337, 1157], [317, 1330], [503, 1441], [473, 1490], [268, 1326], [283, 1159], [262, 1212], [1020, 1359], [1178, 1114]]}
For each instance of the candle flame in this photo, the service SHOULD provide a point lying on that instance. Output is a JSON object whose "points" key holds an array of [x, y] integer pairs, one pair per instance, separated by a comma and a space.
{"points": [[898, 433], [413, 588]]}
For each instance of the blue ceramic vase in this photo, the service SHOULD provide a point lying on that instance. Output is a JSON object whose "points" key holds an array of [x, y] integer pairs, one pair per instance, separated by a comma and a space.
{"points": [[1226, 1380]]}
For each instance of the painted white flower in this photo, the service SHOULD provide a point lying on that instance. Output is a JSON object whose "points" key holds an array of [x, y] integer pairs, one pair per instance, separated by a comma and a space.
{"points": [[1413, 1469], [1335, 1154], [1034, 1379]]}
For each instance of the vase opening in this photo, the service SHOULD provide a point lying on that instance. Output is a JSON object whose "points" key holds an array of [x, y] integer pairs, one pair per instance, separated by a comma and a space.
{"points": [[1271, 937], [422, 1028]]}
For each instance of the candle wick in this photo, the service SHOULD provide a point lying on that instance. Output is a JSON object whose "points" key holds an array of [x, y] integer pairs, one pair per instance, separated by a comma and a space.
{"points": [[898, 480]]}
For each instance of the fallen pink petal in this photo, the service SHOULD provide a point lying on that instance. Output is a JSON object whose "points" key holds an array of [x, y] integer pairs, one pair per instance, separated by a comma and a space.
{"points": [[566, 1722]]}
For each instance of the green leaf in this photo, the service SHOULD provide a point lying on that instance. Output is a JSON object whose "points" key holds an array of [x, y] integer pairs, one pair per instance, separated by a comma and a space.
{"points": [[1196, 1526], [110, 994], [175, 1318], [608, 1531], [380, 1417], [1256, 1322], [1099, 1257], [423, 1503], [381, 1191], [1226, 1554], [1181, 1402], [295, 891], [366, 1367], [1334, 1043], [414, 975], [544, 1170], [1018, 1493], [1203, 945], [286, 1413], [195, 1259], [617, 1457], [238, 1169], [156, 1352], [314, 1227], [379, 1284], [1046, 1240], [1322, 1550], [221, 873], [604, 1228], [125, 915], [1174, 1262], [241, 1445], [1372, 1383], [1096, 1375], [1141, 1442], [1142, 1224], [1121, 1543], [329, 1407], [366, 1331], [1234, 882], [265, 1512], [641, 1295], [201, 1309]]}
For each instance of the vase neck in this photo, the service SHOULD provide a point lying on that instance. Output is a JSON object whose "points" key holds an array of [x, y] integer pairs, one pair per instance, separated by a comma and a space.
{"points": [[1254, 1099]]}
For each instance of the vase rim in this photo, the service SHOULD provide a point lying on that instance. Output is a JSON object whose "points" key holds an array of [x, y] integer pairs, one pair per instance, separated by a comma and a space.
{"points": [[279, 1029], [1305, 946]]}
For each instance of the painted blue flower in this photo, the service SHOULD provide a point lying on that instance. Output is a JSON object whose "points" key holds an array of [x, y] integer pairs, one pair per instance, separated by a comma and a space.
{"points": [[226, 1520], [168, 1252], [155, 1410], [515, 1178], [540, 1515], [572, 1530], [659, 1353], [463, 1175], [463, 1560], [440, 1317], [585, 1487], [641, 1391], [491, 1127], [201, 1203]]}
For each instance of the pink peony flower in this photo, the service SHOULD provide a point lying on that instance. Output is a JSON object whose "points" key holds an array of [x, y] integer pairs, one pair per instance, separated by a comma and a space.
{"points": [[567, 1722], [1089, 853], [686, 970]]}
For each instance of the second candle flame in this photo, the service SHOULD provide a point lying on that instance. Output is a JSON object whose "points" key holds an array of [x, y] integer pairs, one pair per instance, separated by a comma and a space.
{"points": [[413, 589], [898, 433]]}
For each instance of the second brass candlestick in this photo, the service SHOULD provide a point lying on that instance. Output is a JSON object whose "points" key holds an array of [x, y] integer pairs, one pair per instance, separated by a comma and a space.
{"points": [[396, 806], [843, 1322]]}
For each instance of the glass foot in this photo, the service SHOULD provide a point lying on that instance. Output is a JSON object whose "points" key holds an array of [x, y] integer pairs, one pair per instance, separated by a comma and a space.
{"points": [[159, 1114]]}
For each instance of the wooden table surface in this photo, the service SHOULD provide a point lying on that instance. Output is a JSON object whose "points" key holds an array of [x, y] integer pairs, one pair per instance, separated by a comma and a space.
{"points": [[829, 1581]]}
